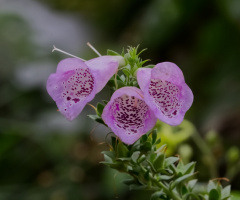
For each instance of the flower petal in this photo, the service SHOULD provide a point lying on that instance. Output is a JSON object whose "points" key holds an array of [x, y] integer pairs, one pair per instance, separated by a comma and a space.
{"points": [[166, 92], [128, 115], [70, 64], [168, 71], [71, 90], [143, 74], [103, 68]]}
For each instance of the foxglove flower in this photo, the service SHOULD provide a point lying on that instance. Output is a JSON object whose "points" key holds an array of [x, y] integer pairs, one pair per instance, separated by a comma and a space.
{"points": [[165, 92], [128, 115], [75, 82]]}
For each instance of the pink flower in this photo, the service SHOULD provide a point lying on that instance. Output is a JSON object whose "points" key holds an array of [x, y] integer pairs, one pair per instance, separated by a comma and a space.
{"points": [[128, 115], [75, 82], [165, 92]]}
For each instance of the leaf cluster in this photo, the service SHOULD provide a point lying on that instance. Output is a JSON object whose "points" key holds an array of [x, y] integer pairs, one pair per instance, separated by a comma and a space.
{"points": [[127, 73], [150, 169]]}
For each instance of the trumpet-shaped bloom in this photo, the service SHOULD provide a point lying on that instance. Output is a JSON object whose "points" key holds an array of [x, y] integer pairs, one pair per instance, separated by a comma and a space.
{"points": [[75, 82], [165, 92], [128, 115]]}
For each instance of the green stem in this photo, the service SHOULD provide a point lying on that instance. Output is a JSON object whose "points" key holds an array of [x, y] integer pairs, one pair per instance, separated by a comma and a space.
{"points": [[166, 190], [202, 145]]}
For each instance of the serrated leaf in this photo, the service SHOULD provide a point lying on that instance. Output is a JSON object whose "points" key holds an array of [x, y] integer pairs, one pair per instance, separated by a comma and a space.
{"points": [[170, 160], [214, 195], [112, 53]]}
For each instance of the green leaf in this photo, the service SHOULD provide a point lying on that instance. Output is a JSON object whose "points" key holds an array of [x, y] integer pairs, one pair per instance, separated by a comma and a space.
{"points": [[124, 159], [126, 71], [123, 78], [161, 148], [105, 102], [137, 187], [141, 159], [97, 119], [112, 53], [122, 150], [149, 66], [159, 161], [116, 165], [144, 138], [191, 184], [156, 195], [170, 160], [184, 190], [164, 177], [181, 179], [147, 146], [108, 158], [135, 156], [235, 195], [154, 136], [110, 154], [186, 169], [214, 195], [211, 186], [129, 182], [114, 142], [226, 192], [152, 157], [100, 108], [158, 141]]}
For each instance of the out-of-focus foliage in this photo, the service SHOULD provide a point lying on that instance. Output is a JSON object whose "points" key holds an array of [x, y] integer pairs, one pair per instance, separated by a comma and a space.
{"points": [[44, 157], [174, 135]]}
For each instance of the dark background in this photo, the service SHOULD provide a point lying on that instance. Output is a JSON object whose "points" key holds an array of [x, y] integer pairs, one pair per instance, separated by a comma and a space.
{"points": [[43, 156]]}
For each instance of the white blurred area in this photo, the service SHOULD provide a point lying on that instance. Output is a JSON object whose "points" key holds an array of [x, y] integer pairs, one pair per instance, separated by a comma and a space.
{"points": [[49, 26], [66, 31]]}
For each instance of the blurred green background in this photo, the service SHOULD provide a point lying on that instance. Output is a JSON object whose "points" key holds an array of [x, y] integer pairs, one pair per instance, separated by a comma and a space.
{"points": [[43, 156]]}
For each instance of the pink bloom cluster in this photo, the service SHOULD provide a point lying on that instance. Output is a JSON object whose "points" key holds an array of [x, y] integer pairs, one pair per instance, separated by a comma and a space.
{"points": [[131, 112]]}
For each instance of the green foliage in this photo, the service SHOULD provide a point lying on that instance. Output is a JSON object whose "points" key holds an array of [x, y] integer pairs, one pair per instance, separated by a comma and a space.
{"points": [[150, 169]]}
